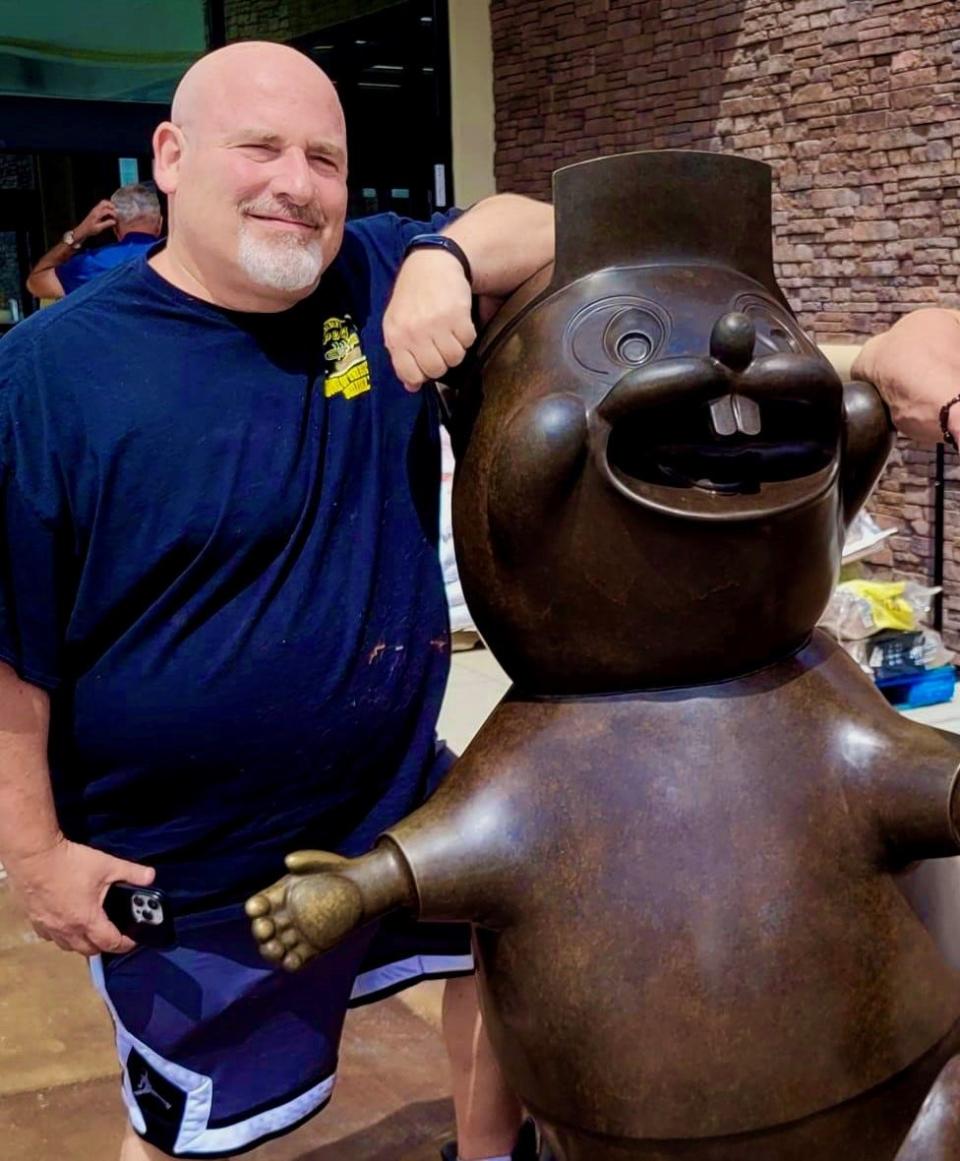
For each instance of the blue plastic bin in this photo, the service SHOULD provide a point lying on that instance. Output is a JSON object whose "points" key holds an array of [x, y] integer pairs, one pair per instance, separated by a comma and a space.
{"points": [[912, 690]]}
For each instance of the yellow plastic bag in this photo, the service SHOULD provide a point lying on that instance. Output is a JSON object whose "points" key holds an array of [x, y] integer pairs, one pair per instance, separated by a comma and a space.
{"points": [[889, 608]]}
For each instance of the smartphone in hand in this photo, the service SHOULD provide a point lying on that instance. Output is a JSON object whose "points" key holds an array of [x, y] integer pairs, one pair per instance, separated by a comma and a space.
{"points": [[142, 913]]}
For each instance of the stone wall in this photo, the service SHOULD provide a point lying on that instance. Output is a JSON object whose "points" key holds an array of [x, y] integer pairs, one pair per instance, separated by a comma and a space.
{"points": [[853, 102]]}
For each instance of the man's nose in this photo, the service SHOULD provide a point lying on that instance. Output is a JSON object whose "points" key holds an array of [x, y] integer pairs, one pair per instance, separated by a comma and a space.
{"points": [[294, 178]]}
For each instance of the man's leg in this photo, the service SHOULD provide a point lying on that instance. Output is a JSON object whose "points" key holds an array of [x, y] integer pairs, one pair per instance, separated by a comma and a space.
{"points": [[134, 1148], [488, 1114]]}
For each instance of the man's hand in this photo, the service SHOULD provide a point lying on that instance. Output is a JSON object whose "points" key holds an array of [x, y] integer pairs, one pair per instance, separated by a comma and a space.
{"points": [[427, 326], [916, 367], [62, 890], [101, 217]]}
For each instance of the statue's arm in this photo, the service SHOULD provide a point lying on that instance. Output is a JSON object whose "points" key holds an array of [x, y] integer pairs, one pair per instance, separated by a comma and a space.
{"points": [[917, 795], [436, 863]]}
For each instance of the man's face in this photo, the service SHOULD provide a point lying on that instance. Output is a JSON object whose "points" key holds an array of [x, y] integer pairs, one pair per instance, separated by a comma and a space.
{"points": [[261, 196]]}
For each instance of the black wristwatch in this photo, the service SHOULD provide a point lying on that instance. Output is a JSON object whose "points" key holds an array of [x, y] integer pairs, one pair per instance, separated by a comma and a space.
{"points": [[441, 242]]}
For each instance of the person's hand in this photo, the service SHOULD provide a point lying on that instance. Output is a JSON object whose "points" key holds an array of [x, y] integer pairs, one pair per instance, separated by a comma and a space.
{"points": [[101, 217], [427, 326], [62, 890], [916, 367]]}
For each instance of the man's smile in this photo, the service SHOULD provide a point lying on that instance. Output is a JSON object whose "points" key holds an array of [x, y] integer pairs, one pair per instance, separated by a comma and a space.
{"points": [[279, 221]]}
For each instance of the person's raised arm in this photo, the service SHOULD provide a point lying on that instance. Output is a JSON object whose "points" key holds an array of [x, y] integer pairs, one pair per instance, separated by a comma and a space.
{"points": [[61, 884], [916, 367], [42, 281], [428, 327]]}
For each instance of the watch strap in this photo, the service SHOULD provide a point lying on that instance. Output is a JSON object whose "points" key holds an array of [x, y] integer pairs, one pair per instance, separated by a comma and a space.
{"points": [[441, 242]]}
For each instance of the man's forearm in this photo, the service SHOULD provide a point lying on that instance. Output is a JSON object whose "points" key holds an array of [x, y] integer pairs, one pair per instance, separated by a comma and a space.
{"points": [[507, 238], [916, 367], [42, 281], [58, 253], [28, 818]]}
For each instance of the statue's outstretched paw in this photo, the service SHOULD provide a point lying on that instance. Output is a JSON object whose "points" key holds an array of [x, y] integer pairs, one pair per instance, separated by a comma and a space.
{"points": [[305, 913]]}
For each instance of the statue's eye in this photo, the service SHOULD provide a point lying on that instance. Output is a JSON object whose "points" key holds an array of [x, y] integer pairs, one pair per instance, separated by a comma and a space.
{"points": [[777, 331], [610, 336], [633, 335]]}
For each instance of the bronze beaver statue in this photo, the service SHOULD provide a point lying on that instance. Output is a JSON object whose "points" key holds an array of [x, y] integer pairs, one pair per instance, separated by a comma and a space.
{"points": [[687, 837]]}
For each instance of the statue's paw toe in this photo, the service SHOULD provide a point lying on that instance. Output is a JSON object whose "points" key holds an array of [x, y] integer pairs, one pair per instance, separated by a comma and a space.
{"points": [[273, 950], [264, 929], [297, 956], [257, 907], [290, 938]]}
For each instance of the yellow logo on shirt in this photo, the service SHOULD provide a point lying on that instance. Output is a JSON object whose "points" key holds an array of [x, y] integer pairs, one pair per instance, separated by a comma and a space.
{"points": [[347, 371]]}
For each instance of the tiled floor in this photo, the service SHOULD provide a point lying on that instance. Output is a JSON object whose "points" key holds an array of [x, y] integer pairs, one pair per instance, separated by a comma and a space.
{"points": [[477, 683], [945, 716]]}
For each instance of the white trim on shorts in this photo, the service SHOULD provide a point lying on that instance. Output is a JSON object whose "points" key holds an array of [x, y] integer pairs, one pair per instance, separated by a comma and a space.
{"points": [[194, 1137], [391, 977]]}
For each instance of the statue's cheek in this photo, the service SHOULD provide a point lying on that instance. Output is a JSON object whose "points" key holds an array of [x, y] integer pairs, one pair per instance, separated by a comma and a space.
{"points": [[535, 469]]}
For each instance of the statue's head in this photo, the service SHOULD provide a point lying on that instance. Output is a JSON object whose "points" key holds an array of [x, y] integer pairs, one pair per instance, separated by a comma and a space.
{"points": [[659, 465]]}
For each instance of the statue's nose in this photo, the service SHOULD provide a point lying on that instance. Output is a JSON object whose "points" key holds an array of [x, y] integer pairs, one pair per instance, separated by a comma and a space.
{"points": [[732, 340], [731, 343]]}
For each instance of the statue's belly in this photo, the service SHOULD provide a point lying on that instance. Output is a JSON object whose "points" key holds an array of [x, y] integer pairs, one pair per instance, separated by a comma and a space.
{"points": [[871, 1127], [649, 1006]]}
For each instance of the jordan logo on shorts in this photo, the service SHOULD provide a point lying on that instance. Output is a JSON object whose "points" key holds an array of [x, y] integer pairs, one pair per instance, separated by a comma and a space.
{"points": [[145, 1088], [159, 1100]]}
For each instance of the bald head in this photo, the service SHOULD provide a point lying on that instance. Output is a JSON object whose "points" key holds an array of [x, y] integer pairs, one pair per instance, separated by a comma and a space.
{"points": [[210, 88], [254, 163]]}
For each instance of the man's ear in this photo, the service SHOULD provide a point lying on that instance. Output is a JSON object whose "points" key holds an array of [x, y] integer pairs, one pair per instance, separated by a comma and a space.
{"points": [[167, 155]]}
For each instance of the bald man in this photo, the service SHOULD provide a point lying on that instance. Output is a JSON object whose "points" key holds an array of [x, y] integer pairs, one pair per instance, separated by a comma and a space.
{"points": [[223, 633]]}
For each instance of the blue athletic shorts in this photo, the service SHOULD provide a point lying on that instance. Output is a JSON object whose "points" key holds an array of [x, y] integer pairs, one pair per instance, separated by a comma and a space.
{"points": [[221, 1051]]}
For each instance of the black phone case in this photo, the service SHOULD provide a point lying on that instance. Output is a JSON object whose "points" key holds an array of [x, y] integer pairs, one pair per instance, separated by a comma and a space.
{"points": [[142, 913]]}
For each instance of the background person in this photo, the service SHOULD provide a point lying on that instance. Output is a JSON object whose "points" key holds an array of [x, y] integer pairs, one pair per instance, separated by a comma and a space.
{"points": [[133, 213]]}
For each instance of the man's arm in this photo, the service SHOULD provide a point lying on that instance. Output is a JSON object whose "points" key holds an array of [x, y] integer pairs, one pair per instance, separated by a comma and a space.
{"points": [[42, 281], [916, 367], [61, 884], [427, 327]]}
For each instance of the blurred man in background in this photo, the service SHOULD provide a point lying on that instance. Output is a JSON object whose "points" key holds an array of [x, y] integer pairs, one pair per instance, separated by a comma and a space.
{"points": [[133, 213]]}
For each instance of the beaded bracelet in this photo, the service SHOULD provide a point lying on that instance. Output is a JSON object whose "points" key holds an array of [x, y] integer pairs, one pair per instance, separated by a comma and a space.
{"points": [[948, 436]]}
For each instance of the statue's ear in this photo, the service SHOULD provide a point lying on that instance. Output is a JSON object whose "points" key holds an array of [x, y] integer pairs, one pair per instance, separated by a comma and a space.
{"points": [[537, 462], [868, 439]]}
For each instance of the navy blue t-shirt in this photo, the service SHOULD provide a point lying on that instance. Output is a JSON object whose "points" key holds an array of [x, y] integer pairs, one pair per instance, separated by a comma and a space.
{"points": [[90, 264], [219, 554]]}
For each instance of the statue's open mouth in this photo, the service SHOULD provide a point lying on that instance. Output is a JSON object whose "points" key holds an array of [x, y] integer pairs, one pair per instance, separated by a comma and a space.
{"points": [[742, 465], [690, 437]]}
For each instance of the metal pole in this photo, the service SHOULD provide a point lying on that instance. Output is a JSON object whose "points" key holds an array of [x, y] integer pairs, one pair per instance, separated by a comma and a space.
{"points": [[939, 496]]}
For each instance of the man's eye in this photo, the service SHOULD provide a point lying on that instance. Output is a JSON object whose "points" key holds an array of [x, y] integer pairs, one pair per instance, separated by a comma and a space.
{"points": [[259, 151], [323, 161]]}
